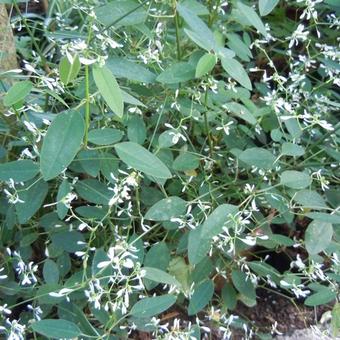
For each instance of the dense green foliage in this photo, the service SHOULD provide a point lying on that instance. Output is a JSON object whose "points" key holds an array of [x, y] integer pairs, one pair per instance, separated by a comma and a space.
{"points": [[156, 156]]}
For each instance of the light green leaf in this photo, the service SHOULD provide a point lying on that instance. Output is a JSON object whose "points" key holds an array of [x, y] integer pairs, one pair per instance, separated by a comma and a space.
{"points": [[236, 71], [199, 31], [258, 157], [241, 111], [56, 329], [200, 238], [251, 16], [201, 297], [19, 171], [105, 136], [236, 44], [109, 89], [205, 64], [266, 6], [139, 158], [69, 68], [160, 276], [291, 149], [295, 179], [61, 143], [152, 306], [243, 284], [166, 209], [177, 73], [310, 199], [33, 196], [318, 236], [17, 92], [129, 11]]}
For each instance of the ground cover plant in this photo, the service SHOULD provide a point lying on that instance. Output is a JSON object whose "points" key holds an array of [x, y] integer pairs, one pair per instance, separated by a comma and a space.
{"points": [[163, 162]]}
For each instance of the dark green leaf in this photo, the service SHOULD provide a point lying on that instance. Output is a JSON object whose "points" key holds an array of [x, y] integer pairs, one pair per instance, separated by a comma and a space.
{"points": [[19, 171], [201, 297], [61, 143], [105, 136]]}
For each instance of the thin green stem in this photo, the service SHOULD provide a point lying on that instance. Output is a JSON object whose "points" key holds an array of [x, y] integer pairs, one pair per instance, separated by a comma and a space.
{"points": [[206, 123], [174, 4], [87, 104]]}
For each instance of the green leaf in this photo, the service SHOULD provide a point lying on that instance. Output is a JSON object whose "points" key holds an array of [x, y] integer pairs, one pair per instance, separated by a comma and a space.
{"points": [[105, 136], [166, 209], [323, 217], [186, 161], [152, 306], [70, 241], [236, 44], [251, 17], [109, 89], [63, 190], [321, 297], [258, 157], [94, 191], [291, 149], [136, 130], [89, 161], [128, 12], [201, 297], [236, 71], [50, 271], [123, 68], [19, 171], [158, 257], [263, 269], [199, 31], [295, 179], [205, 64], [177, 73], [200, 238], [318, 236], [56, 329], [139, 158], [17, 92], [69, 68], [229, 296], [33, 195], [101, 256], [160, 276], [310, 199], [61, 143], [243, 284], [241, 111], [266, 6]]}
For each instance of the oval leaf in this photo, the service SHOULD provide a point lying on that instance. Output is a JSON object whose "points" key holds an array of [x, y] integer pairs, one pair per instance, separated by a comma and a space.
{"points": [[137, 157], [56, 329], [236, 71], [295, 179], [19, 171], [61, 143], [109, 89], [17, 92], [152, 306], [201, 297], [318, 236], [166, 209]]}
